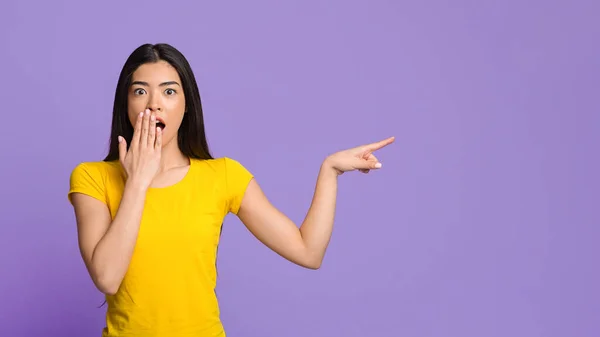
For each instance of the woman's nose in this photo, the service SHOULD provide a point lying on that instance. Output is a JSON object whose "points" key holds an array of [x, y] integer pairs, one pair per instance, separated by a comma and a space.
{"points": [[154, 107], [154, 103]]}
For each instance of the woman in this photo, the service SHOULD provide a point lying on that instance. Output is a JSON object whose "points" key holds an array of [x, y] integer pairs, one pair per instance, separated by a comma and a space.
{"points": [[149, 215]]}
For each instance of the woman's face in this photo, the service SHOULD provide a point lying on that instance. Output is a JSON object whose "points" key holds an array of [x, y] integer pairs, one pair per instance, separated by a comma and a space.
{"points": [[157, 87]]}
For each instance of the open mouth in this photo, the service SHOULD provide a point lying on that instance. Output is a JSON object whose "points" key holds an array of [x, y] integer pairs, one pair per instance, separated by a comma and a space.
{"points": [[160, 123]]}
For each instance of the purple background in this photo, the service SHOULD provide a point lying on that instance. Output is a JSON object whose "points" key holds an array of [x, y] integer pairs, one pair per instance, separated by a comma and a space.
{"points": [[483, 221]]}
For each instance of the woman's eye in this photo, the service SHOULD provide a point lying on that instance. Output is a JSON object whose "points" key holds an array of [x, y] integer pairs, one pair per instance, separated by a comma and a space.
{"points": [[138, 91], [170, 91]]}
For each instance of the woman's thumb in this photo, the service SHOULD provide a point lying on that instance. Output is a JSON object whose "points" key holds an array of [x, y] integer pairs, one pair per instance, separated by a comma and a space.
{"points": [[371, 164], [122, 148]]}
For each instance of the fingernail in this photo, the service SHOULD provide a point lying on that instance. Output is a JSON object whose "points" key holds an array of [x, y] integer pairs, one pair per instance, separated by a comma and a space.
{"points": [[141, 114], [120, 139], [378, 165]]}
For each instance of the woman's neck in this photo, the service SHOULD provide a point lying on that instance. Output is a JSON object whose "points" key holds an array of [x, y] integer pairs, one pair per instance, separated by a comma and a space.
{"points": [[172, 157]]}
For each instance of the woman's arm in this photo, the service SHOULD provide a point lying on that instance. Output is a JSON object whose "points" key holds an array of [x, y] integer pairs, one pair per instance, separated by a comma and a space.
{"points": [[306, 245], [107, 246]]}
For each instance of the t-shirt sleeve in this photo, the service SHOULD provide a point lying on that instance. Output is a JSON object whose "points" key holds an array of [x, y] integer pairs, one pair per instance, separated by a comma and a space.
{"points": [[238, 178], [87, 179]]}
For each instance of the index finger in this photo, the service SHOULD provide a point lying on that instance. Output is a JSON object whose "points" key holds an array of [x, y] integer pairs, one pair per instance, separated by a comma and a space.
{"points": [[378, 145]]}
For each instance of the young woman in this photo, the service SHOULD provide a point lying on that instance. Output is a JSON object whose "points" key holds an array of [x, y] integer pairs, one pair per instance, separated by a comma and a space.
{"points": [[149, 215]]}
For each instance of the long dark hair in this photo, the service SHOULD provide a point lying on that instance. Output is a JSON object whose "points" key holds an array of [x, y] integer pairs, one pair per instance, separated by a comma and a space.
{"points": [[191, 137]]}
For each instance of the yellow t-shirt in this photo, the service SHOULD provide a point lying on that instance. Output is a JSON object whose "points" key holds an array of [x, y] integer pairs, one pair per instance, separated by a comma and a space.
{"points": [[169, 288]]}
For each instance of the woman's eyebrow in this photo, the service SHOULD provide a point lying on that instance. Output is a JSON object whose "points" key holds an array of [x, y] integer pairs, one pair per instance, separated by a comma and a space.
{"points": [[161, 85]]}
